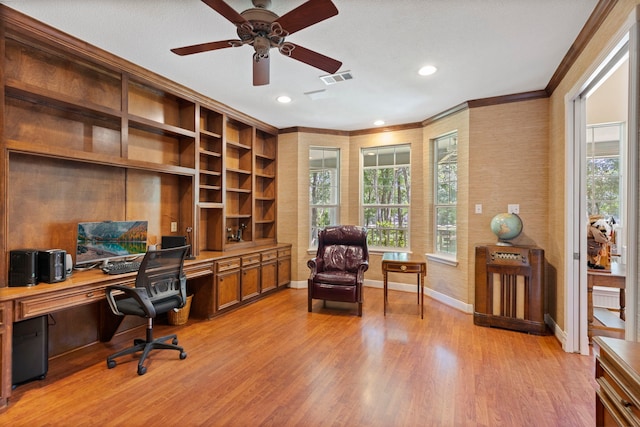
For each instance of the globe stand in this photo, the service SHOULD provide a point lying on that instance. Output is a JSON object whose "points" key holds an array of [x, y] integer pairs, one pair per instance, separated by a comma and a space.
{"points": [[504, 243]]}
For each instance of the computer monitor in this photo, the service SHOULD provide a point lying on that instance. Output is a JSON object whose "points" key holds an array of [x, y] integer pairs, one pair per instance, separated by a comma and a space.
{"points": [[101, 242]]}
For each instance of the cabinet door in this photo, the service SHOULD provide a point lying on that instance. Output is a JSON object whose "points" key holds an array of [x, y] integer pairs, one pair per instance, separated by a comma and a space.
{"points": [[269, 276], [228, 289], [284, 271], [5, 352], [250, 281]]}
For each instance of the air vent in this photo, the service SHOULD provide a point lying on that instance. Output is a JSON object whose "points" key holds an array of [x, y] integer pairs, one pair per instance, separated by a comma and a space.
{"points": [[337, 78]]}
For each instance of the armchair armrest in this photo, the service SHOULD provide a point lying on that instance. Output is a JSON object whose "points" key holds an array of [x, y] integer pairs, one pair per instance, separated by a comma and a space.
{"points": [[364, 266], [139, 294], [315, 265]]}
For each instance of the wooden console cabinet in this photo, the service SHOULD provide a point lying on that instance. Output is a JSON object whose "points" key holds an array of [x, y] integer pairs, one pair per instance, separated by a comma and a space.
{"points": [[618, 378], [509, 288]]}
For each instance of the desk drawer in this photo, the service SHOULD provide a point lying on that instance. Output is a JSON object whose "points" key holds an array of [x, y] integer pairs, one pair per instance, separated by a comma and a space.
{"points": [[620, 393], [37, 306], [283, 253], [193, 271], [269, 256], [402, 268], [228, 264], [250, 259]]}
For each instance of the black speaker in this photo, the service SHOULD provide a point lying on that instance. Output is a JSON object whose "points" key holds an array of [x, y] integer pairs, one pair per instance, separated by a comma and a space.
{"points": [[30, 350], [51, 266], [23, 267], [173, 241]]}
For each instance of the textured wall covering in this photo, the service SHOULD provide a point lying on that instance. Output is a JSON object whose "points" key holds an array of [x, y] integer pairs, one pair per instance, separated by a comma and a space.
{"points": [[508, 153]]}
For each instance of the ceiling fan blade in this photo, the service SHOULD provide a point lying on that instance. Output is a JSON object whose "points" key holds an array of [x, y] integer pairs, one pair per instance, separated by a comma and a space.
{"points": [[314, 59], [204, 47], [307, 14], [261, 72], [227, 11]]}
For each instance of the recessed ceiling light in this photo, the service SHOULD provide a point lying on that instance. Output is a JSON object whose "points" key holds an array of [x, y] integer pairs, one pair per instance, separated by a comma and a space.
{"points": [[427, 70], [283, 99], [378, 122]]}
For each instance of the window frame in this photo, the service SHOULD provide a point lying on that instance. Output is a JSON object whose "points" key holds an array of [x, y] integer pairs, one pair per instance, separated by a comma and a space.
{"points": [[334, 184], [402, 233], [438, 237]]}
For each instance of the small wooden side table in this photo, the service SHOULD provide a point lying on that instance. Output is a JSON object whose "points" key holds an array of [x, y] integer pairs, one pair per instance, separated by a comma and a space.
{"points": [[400, 262]]}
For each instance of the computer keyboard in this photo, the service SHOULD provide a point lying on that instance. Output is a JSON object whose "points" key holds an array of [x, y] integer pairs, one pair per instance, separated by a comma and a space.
{"points": [[121, 267]]}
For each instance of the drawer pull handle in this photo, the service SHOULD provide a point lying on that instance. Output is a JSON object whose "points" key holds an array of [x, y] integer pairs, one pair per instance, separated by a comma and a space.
{"points": [[403, 268], [89, 295], [626, 403]]}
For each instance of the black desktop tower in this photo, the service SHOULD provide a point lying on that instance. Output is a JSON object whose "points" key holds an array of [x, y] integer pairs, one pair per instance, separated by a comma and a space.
{"points": [[51, 266], [30, 350], [23, 267]]}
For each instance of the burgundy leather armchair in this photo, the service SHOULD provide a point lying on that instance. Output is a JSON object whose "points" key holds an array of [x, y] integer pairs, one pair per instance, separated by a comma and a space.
{"points": [[337, 271]]}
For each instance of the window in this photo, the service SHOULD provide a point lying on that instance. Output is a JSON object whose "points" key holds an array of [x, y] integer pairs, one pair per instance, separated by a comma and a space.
{"points": [[446, 192], [386, 195], [604, 175], [324, 189]]}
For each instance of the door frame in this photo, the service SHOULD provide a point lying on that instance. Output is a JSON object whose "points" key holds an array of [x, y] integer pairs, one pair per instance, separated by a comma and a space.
{"points": [[575, 279]]}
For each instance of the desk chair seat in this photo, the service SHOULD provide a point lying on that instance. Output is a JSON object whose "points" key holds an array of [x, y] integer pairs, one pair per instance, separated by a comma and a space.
{"points": [[160, 287]]}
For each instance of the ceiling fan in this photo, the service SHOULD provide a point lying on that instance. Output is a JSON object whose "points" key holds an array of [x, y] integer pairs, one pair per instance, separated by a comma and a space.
{"points": [[263, 29]]}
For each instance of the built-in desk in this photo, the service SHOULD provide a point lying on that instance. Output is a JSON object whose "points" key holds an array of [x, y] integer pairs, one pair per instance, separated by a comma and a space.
{"points": [[86, 287]]}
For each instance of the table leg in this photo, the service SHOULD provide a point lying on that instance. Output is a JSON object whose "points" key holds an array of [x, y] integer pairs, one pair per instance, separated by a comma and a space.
{"points": [[622, 304], [385, 293], [421, 280]]}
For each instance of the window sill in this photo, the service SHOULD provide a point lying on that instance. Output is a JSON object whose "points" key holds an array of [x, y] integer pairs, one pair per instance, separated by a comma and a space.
{"points": [[442, 259]]}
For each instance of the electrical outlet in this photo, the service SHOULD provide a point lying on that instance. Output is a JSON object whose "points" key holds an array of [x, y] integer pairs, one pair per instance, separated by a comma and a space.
{"points": [[479, 208], [174, 226], [513, 209]]}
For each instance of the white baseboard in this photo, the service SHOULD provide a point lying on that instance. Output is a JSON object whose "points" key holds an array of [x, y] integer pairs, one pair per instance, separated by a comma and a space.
{"points": [[403, 287]]}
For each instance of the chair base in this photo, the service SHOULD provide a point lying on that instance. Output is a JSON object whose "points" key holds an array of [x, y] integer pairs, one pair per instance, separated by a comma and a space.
{"points": [[145, 346], [324, 304]]}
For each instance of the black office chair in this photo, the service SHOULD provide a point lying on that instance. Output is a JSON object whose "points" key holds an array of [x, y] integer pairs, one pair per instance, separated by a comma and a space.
{"points": [[160, 287]]}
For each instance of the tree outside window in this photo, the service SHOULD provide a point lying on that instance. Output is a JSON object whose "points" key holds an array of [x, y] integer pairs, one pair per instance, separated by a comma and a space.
{"points": [[324, 189], [446, 193], [386, 179], [604, 175]]}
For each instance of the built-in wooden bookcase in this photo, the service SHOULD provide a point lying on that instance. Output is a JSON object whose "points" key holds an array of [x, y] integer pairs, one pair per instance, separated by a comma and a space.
{"points": [[211, 180], [239, 184], [265, 186], [123, 143]]}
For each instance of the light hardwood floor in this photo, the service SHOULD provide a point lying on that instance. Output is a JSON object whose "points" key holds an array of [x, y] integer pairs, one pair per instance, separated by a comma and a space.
{"points": [[272, 363]]}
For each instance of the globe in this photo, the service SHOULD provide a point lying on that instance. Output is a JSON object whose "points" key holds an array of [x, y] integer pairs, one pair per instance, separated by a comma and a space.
{"points": [[506, 227]]}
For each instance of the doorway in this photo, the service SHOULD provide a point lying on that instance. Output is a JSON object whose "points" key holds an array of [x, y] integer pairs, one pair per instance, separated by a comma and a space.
{"points": [[601, 179]]}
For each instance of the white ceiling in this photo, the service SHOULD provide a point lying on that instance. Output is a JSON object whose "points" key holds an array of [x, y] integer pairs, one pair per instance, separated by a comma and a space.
{"points": [[482, 48]]}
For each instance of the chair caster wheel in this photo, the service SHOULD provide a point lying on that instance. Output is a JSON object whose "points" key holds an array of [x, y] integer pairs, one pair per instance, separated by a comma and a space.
{"points": [[174, 341], [111, 364], [142, 370], [183, 355]]}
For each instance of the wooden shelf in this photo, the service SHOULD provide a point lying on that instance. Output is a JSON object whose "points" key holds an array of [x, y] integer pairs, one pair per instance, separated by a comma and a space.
{"points": [[37, 95], [210, 153]]}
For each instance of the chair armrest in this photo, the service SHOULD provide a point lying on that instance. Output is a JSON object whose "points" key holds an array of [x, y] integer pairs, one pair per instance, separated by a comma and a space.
{"points": [[364, 266], [139, 294], [315, 265], [183, 290]]}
